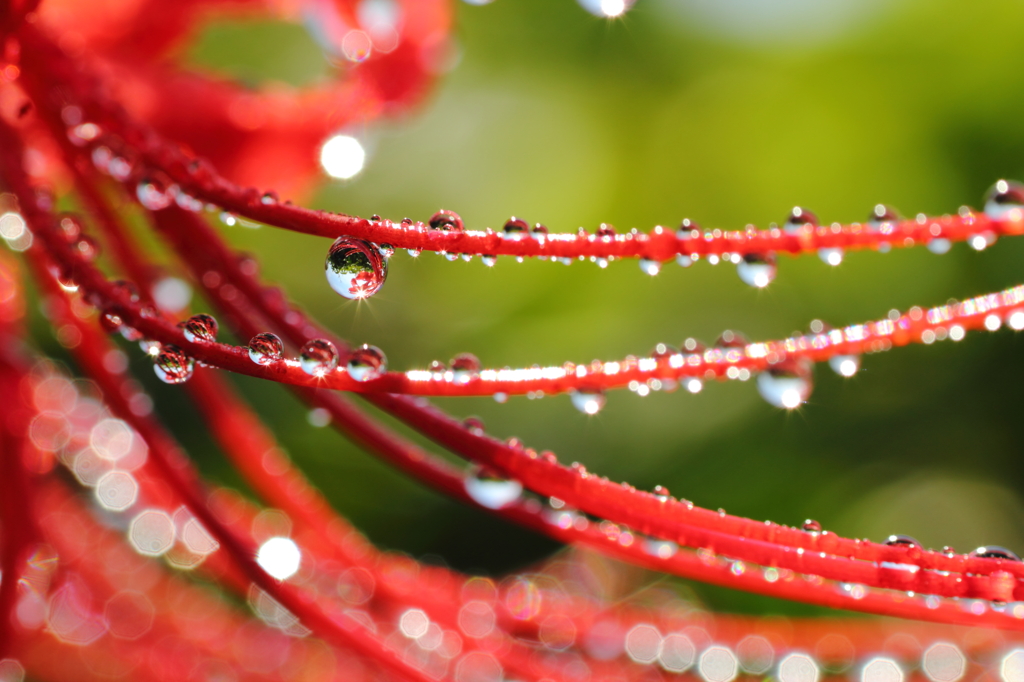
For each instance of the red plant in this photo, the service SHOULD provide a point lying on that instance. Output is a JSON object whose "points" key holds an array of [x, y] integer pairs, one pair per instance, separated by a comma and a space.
{"points": [[87, 103]]}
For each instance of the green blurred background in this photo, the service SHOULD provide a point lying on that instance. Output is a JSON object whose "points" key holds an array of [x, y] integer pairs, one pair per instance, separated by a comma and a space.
{"points": [[728, 112]]}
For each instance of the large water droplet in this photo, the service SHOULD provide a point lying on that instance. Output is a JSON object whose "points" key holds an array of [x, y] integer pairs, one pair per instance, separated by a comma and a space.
{"points": [[588, 401], [516, 229], [995, 552], [318, 357], [201, 327], [785, 388], [447, 221], [172, 365], [651, 267], [366, 363], [155, 192], [798, 218], [832, 256], [465, 368], [844, 365], [266, 349], [355, 268], [902, 541], [1005, 201], [757, 270], [490, 491]]}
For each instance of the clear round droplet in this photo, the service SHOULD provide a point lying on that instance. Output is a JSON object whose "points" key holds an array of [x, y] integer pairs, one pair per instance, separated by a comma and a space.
{"points": [[266, 349], [355, 268], [650, 267], [446, 221], [366, 363], [465, 368], [757, 270], [995, 552], [844, 365], [939, 246], [489, 261], [490, 491], [901, 541], [172, 365], [831, 256], [155, 192], [588, 401], [318, 357], [1005, 201], [798, 218], [811, 526], [784, 388], [539, 232], [201, 328], [516, 229], [728, 339], [881, 214]]}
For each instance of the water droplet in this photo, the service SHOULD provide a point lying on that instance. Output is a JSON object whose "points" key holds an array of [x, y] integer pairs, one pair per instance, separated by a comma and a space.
{"points": [[268, 198], [266, 349], [414, 253], [995, 552], [474, 425], [228, 218], [1005, 201], [901, 541], [844, 365], [437, 369], [489, 261], [693, 385], [882, 213], [318, 357], [150, 347], [661, 491], [798, 218], [490, 491], [465, 368], [201, 327], [516, 229], [111, 322], [386, 250], [728, 339], [588, 401], [785, 388], [684, 261], [188, 203], [651, 267], [539, 232], [172, 365], [447, 221], [982, 240], [608, 9], [366, 363], [757, 270], [606, 231], [692, 345], [155, 192], [832, 256], [86, 248], [811, 526], [70, 227], [355, 268], [939, 245]]}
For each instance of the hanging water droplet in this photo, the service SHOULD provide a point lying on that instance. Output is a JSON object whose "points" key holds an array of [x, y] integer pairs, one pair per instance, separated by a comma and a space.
{"points": [[516, 229], [414, 253], [693, 385], [982, 240], [684, 260], [901, 541], [446, 221], [757, 270], [651, 267], [588, 401], [188, 203], [844, 365], [386, 250], [1005, 201], [798, 219], [490, 491], [832, 256], [201, 327], [489, 261], [995, 552], [150, 347], [811, 526], [318, 357], [355, 268], [366, 363], [450, 257], [228, 218], [172, 365], [155, 192], [266, 349], [939, 245], [465, 368], [785, 388]]}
